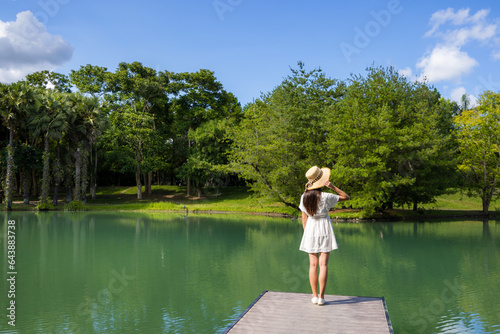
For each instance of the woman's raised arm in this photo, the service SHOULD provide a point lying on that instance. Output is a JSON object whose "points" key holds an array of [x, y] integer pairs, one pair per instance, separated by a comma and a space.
{"points": [[342, 195]]}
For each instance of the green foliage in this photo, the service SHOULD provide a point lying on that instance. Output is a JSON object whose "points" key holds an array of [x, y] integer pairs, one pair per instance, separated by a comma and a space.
{"points": [[284, 133], [75, 206], [16, 101], [135, 86], [207, 160], [162, 109], [48, 79], [45, 205], [50, 121], [136, 97], [203, 111], [132, 135], [90, 79], [28, 156], [478, 135], [390, 140]]}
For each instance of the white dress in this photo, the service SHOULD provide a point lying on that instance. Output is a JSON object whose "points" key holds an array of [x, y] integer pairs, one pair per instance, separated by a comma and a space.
{"points": [[318, 235]]}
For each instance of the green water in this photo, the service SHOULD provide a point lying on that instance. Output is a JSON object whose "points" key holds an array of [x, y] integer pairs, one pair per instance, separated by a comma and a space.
{"points": [[158, 273]]}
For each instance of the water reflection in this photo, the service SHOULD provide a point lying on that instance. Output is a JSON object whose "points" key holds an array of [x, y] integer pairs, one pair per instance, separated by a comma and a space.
{"points": [[117, 273]]}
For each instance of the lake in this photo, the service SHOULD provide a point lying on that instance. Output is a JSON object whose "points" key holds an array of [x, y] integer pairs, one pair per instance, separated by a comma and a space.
{"points": [[165, 273]]}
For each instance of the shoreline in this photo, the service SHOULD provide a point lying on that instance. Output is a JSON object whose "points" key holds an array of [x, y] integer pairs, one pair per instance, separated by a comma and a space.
{"points": [[241, 202], [388, 216]]}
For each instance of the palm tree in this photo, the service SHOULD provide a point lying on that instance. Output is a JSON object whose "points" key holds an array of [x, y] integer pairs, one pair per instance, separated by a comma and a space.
{"points": [[84, 127], [15, 100], [94, 124], [51, 121], [72, 140], [90, 113]]}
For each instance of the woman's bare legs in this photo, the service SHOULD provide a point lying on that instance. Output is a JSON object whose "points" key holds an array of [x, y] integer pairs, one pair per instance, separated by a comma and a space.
{"points": [[316, 259], [323, 273], [313, 272]]}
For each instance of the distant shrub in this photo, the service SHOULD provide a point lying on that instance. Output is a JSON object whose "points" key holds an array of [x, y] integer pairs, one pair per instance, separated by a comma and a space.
{"points": [[45, 205], [75, 206]]}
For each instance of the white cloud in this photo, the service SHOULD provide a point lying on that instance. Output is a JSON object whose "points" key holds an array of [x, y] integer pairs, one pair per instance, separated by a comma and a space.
{"points": [[457, 93], [442, 16], [454, 30], [406, 72], [26, 47], [479, 32], [460, 17], [445, 63]]}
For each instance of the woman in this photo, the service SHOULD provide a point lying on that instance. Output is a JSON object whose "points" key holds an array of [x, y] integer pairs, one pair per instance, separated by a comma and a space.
{"points": [[318, 239]]}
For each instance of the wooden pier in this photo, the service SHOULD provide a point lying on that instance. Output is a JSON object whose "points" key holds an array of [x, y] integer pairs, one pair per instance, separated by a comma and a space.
{"points": [[286, 312]]}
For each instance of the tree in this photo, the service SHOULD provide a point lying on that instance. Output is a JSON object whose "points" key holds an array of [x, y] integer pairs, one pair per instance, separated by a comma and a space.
{"points": [[478, 134], [284, 133], [28, 158], [465, 104], [50, 122], [90, 79], [52, 80], [391, 141], [199, 98], [133, 131], [207, 160], [84, 127], [9, 108], [137, 89], [15, 101], [200, 103]]}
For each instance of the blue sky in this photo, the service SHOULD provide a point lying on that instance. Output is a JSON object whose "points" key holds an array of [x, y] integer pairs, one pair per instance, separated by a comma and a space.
{"points": [[251, 45]]}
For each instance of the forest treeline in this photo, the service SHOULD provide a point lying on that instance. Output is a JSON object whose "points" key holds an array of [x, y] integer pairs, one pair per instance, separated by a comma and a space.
{"points": [[389, 141]]}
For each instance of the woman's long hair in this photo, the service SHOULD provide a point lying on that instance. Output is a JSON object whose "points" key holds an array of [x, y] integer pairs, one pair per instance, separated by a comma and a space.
{"points": [[311, 201]]}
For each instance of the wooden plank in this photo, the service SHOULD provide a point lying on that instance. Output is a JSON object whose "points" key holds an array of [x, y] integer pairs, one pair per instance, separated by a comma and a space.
{"points": [[287, 312]]}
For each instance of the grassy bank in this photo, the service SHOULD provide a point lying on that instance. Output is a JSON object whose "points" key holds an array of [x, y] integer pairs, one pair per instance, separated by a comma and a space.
{"points": [[173, 198], [240, 200]]}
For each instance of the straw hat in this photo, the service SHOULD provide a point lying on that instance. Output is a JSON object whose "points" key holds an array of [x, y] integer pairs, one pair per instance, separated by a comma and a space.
{"points": [[317, 177]]}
